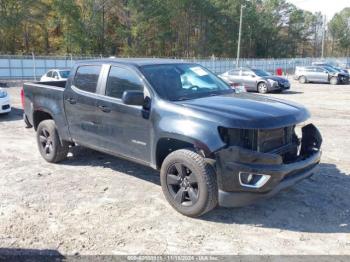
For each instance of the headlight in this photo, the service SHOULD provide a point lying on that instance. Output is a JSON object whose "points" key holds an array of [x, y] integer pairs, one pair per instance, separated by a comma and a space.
{"points": [[298, 128], [272, 82], [3, 93]]}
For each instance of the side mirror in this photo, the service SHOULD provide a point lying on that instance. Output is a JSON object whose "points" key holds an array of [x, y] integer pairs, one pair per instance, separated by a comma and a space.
{"points": [[253, 76], [133, 97]]}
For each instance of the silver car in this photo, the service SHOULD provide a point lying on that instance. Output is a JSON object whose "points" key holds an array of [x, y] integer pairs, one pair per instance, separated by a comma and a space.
{"points": [[320, 74], [256, 80], [332, 65]]}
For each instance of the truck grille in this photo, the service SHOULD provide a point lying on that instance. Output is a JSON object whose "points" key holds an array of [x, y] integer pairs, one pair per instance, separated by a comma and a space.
{"points": [[272, 139], [262, 140]]}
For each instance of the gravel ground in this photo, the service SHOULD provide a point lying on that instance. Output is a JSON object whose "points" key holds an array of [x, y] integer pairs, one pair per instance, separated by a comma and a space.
{"points": [[98, 204]]}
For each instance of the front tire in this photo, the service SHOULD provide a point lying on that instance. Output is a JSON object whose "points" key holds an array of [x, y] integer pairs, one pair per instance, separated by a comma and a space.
{"points": [[333, 81], [189, 183], [262, 88], [50, 146]]}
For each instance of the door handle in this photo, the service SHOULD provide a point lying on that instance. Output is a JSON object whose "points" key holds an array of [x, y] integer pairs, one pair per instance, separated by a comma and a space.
{"points": [[71, 100], [104, 109]]}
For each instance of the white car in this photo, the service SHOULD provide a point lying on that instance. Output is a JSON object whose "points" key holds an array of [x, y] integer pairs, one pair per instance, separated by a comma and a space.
{"points": [[5, 106], [55, 75]]}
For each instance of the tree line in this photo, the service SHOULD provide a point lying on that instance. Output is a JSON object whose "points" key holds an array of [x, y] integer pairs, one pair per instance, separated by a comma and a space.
{"points": [[169, 28]]}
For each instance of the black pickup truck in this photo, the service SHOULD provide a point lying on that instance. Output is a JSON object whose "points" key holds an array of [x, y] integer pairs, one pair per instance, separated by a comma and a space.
{"points": [[211, 144]]}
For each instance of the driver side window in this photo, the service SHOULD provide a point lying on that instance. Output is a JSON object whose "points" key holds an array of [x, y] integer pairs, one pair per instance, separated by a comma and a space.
{"points": [[120, 80], [320, 70]]}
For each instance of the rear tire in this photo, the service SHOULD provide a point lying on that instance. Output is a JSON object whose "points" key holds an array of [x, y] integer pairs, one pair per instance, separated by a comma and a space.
{"points": [[333, 81], [50, 146], [302, 80], [189, 183], [262, 88]]}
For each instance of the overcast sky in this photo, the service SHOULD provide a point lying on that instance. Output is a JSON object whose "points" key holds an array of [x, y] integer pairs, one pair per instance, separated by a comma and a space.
{"points": [[327, 7]]}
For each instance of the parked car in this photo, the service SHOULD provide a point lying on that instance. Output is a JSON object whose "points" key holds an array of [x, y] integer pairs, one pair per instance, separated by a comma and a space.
{"points": [[211, 144], [55, 75], [332, 65], [256, 80], [319, 74], [5, 106]]}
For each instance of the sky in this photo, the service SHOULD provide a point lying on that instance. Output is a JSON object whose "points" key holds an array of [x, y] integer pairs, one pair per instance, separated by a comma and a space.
{"points": [[326, 7]]}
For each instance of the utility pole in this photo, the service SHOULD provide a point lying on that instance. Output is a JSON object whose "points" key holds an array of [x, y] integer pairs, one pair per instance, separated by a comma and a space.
{"points": [[239, 36], [323, 36]]}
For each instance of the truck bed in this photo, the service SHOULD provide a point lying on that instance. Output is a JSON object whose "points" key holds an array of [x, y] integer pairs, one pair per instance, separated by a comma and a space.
{"points": [[45, 97], [54, 84]]}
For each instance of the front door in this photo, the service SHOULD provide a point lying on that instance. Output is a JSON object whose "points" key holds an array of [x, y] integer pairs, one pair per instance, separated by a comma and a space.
{"points": [[123, 129], [321, 75]]}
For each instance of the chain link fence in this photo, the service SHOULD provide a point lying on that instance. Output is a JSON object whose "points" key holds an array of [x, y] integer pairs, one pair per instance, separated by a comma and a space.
{"points": [[33, 67]]}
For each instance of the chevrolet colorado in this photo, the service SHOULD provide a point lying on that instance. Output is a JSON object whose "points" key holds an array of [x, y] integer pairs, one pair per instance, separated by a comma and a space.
{"points": [[211, 144]]}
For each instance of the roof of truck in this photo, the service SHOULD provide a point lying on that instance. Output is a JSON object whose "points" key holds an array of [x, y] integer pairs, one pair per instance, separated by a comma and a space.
{"points": [[135, 61]]}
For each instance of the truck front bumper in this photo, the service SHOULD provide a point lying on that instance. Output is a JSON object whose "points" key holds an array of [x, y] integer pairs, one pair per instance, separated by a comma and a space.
{"points": [[234, 161]]}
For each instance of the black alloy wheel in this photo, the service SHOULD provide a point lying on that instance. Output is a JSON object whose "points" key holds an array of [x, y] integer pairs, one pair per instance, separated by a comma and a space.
{"points": [[189, 182], [51, 148], [182, 184], [46, 142]]}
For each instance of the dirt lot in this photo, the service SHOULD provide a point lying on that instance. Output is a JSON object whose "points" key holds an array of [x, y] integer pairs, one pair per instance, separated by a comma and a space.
{"points": [[98, 204]]}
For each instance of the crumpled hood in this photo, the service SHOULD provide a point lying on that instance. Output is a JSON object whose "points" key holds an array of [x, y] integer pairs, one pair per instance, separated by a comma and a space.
{"points": [[248, 111]]}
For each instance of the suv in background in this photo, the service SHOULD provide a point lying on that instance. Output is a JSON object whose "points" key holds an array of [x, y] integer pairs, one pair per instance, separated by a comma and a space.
{"points": [[256, 80], [319, 74]]}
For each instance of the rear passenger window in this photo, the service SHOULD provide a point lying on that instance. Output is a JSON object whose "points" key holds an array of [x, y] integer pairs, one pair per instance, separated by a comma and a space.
{"points": [[246, 73], [120, 80], [234, 72], [86, 78]]}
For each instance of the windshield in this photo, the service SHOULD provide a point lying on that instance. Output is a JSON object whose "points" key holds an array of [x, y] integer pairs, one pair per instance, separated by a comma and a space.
{"points": [[177, 82], [64, 74], [260, 72]]}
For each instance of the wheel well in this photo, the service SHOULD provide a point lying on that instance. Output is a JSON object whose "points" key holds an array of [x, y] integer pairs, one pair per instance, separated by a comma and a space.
{"points": [[40, 116], [167, 145], [257, 85]]}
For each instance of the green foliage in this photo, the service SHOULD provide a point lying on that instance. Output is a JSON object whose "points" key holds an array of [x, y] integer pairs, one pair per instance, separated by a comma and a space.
{"points": [[339, 28], [171, 28]]}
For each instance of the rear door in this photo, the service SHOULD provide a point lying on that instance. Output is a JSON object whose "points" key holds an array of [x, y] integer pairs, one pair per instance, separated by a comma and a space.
{"points": [[80, 105], [310, 73], [234, 76], [123, 129], [248, 80]]}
